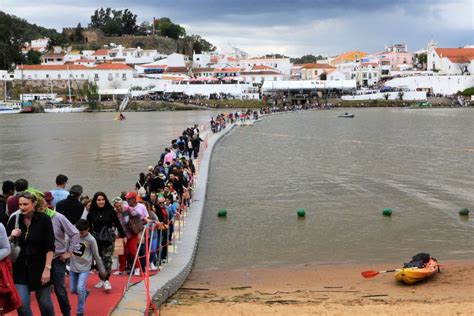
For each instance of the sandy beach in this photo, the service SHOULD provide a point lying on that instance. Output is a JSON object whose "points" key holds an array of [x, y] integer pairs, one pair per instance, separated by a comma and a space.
{"points": [[324, 290]]}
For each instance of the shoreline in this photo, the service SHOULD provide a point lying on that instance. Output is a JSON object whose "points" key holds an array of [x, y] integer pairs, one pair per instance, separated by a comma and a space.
{"points": [[323, 289]]}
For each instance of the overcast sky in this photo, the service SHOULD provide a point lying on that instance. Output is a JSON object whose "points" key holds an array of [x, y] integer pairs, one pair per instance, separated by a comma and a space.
{"points": [[290, 27]]}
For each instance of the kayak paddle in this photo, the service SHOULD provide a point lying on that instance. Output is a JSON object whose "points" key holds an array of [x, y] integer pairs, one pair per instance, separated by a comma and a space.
{"points": [[371, 274]]}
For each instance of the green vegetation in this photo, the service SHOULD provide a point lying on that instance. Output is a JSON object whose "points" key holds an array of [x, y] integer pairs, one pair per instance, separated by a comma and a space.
{"points": [[306, 59], [200, 44], [92, 93], [468, 92], [165, 27], [14, 32], [33, 57], [114, 22]]}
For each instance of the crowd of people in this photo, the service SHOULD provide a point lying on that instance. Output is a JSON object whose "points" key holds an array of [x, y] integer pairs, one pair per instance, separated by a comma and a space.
{"points": [[47, 235]]}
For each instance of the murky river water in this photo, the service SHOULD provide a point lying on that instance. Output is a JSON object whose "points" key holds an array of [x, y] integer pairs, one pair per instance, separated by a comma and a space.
{"points": [[92, 149], [343, 172]]}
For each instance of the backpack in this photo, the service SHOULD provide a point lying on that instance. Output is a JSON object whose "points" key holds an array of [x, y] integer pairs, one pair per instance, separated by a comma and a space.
{"points": [[418, 261], [142, 191]]}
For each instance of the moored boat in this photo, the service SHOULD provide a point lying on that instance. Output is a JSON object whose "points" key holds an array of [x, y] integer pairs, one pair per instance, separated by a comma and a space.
{"points": [[64, 109], [410, 275], [4, 109]]}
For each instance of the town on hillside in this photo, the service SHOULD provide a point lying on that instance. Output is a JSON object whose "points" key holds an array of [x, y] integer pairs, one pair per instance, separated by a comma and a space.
{"points": [[114, 72]]}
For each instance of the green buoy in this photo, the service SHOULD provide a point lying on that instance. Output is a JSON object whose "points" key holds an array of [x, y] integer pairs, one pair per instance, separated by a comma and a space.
{"points": [[301, 212], [222, 212], [387, 211], [464, 211]]}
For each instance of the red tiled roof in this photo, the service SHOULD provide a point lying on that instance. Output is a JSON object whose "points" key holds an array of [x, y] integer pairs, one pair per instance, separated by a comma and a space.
{"points": [[176, 70], [100, 52], [263, 72], [369, 64], [235, 69], [231, 59], [456, 55], [262, 67], [317, 66], [75, 67], [199, 70], [153, 66]]}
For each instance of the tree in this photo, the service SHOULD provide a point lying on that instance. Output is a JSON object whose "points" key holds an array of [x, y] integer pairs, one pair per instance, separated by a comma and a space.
{"points": [[33, 57], [400, 95], [114, 22], [14, 32], [92, 94], [165, 27], [200, 45], [386, 96], [307, 59], [129, 22], [58, 40], [423, 59], [77, 36]]}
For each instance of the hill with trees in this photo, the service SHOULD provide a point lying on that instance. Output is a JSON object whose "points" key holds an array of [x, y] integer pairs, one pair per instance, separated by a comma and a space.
{"points": [[15, 32]]}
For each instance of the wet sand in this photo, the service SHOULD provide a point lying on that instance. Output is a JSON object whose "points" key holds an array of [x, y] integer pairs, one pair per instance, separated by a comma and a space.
{"points": [[324, 290]]}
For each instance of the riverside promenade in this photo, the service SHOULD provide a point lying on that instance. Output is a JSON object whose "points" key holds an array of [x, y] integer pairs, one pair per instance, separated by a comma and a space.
{"points": [[181, 255]]}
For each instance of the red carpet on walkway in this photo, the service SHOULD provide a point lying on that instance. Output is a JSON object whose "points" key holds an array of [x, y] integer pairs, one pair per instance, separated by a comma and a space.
{"points": [[98, 303]]}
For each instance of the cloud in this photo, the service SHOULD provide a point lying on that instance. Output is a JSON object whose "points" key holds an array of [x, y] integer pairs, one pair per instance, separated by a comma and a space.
{"points": [[289, 27]]}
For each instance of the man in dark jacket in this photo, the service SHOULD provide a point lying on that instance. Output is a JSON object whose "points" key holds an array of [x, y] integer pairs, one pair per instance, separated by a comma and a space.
{"points": [[71, 207]]}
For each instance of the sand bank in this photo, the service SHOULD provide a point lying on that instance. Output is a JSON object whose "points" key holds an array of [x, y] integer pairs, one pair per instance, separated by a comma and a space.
{"points": [[324, 290]]}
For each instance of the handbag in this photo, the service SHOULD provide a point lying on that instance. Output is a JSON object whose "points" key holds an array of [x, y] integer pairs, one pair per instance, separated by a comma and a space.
{"points": [[119, 247], [105, 234], [15, 249], [135, 224]]}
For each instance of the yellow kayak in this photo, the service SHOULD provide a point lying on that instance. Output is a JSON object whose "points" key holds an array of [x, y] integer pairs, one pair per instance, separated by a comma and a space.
{"points": [[412, 275]]}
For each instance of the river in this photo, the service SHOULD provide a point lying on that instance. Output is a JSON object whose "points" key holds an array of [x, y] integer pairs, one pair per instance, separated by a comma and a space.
{"points": [[343, 172]]}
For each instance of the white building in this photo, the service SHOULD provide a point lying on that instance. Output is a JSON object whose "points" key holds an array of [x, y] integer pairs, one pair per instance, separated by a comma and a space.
{"points": [[260, 74], [106, 76], [445, 85], [134, 56], [283, 65], [451, 61], [39, 45], [53, 58]]}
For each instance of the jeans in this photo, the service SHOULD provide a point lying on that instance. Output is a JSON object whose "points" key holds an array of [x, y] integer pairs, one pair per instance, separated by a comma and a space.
{"points": [[77, 285], [57, 277], [43, 296]]}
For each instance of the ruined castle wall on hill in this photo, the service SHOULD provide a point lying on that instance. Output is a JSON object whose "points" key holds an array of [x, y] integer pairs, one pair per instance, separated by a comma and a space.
{"points": [[164, 45]]}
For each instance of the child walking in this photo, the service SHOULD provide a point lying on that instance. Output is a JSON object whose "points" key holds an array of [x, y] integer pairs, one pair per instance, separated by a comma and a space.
{"points": [[81, 263]]}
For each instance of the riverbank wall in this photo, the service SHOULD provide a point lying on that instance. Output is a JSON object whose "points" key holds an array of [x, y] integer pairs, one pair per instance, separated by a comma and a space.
{"points": [[183, 252]]}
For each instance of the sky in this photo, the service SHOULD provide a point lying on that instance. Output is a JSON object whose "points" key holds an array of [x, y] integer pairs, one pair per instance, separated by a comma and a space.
{"points": [[291, 27]]}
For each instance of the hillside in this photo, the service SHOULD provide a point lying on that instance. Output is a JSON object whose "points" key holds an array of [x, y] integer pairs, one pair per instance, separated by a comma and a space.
{"points": [[14, 32]]}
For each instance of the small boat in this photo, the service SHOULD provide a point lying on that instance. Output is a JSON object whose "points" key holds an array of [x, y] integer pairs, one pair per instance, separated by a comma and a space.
{"points": [[411, 275], [4, 109], [347, 115], [64, 108]]}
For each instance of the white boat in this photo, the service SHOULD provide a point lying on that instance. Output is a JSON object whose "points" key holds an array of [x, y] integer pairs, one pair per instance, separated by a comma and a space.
{"points": [[64, 109], [4, 109]]}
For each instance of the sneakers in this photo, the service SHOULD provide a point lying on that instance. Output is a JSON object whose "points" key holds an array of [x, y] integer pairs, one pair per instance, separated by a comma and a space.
{"points": [[99, 285], [153, 267], [118, 273], [136, 272], [107, 286]]}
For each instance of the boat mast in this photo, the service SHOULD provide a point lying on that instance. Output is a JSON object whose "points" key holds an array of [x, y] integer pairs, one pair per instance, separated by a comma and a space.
{"points": [[69, 84]]}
